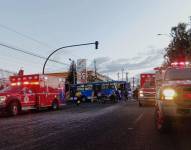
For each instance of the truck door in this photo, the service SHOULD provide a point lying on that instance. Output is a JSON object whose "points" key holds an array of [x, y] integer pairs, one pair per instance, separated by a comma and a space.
{"points": [[28, 97]]}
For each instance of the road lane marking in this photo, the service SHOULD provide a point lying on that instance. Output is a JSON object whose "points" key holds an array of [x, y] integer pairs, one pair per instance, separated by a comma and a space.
{"points": [[138, 118], [135, 122]]}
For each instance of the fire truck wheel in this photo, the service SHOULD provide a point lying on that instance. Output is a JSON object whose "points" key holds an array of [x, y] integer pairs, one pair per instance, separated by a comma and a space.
{"points": [[55, 105], [163, 124], [14, 108]]}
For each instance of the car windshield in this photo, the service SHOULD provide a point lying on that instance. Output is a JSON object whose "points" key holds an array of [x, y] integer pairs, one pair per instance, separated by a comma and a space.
{"points": [[178, 74]]}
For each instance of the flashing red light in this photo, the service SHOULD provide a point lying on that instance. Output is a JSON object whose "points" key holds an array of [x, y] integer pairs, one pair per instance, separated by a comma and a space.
{"points": [[13, 84], [26, 83], [180, 63]]}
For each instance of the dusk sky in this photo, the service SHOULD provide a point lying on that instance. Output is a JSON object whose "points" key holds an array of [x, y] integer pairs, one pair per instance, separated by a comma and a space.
{"points": [[126, 29]]}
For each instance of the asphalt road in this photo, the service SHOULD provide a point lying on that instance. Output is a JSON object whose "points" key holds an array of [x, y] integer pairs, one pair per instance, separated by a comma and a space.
{"points": [[122, 126]]}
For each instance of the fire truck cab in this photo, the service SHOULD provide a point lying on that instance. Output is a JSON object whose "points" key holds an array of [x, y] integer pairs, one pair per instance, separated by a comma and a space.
{"points": [[31, 92], [173, 96], [147, 91]]}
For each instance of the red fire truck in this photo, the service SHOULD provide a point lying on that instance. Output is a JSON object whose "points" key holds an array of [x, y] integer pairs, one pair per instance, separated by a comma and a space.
{"points": [[147, 89], [31, 92]]}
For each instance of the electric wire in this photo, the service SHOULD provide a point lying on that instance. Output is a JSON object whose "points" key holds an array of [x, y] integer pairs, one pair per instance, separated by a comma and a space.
{"points": [[30, 53]]}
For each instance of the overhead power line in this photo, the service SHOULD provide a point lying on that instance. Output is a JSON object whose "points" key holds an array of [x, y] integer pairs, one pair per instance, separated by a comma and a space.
{"points": [[30, 53], [24, 35]]}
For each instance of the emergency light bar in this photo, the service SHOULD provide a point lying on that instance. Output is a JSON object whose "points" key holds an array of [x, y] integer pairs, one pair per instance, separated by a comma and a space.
{"points": [[175, 64], [25, 78], [24, 83]]}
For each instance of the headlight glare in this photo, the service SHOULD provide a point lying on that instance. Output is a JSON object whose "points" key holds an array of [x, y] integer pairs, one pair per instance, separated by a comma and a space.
{"points": [[169, 94], [2, 98], [141, 92]]}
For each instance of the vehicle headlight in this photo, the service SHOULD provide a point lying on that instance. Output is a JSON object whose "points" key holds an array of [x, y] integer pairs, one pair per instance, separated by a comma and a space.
{"points": [[169, 94], [2, 98], [141, 93]]}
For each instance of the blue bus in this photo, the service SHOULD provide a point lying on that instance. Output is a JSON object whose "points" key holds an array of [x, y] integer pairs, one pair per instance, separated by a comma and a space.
{"points": [[89, 90]]}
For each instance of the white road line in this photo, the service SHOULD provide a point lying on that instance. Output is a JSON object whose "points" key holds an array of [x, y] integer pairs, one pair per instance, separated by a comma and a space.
{"points": [[138, 118], [135, 122]]}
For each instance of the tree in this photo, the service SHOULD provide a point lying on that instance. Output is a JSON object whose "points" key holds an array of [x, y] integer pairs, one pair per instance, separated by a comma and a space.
{"points": [[72, 74], [180, 45]]}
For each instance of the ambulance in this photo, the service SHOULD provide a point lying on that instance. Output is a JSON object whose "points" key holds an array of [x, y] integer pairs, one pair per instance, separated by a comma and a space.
{"points": [[147, 89], [34, 91]]}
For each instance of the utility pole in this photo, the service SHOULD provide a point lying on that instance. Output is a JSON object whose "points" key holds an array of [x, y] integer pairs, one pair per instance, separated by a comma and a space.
{"points": [[95, 69], [118, 76], [127, 76], [73, 69], [133, 83], [122, 73]]}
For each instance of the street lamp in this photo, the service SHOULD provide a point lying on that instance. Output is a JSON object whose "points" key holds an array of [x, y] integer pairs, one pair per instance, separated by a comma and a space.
{"points": [[96, 43]]}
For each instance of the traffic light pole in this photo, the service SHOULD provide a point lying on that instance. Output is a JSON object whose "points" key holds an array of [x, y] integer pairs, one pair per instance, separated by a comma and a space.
{"points": [[96, 47]]}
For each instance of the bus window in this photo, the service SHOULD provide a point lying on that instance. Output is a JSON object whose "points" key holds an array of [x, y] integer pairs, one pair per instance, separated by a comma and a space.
{"points": [[105, 86], [80, 87], [111, 86], [97, 87], [88, 87]]}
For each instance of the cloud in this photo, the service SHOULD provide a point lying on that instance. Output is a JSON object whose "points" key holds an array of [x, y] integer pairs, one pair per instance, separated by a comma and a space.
{"points": [[99, 61], [148, 59]]}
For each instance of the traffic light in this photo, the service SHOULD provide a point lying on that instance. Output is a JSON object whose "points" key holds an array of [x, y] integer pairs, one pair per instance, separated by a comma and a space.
{"points": [[96, 44]]}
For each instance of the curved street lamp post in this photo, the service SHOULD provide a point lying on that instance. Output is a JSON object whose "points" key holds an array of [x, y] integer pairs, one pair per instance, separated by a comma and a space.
{"points": [[96, 47]]}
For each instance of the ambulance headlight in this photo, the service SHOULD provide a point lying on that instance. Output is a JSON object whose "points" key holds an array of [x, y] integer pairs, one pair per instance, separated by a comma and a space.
{"points": [[2, 98], [169, 94], [141, 93]]}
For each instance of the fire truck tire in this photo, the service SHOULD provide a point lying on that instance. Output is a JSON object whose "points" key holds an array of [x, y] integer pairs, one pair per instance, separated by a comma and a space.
{"points": [[55, 105], [14, 108], [163, 124]]}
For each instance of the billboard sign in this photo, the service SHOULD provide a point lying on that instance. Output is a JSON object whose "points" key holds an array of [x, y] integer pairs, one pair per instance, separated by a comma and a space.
{"points": [[81, 71]]}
